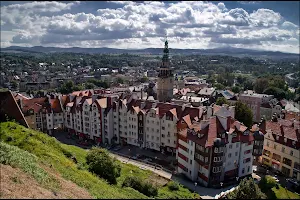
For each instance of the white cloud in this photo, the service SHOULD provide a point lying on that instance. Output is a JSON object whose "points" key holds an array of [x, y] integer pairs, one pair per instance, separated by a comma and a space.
{"points": [[194, 24]]}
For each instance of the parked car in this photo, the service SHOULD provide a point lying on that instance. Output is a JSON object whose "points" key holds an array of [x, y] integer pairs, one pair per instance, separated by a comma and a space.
{"points": [[254, 168]]}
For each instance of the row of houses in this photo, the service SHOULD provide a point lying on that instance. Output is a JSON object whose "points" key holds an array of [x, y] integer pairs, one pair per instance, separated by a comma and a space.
{"points": [[209, 144]]}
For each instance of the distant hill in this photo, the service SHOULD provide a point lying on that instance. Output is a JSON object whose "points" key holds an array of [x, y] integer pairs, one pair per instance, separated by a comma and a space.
{"points": [[154, 51]]}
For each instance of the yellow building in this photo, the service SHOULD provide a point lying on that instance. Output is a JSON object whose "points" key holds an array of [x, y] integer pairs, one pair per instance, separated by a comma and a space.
{"points": [[282, 146]]}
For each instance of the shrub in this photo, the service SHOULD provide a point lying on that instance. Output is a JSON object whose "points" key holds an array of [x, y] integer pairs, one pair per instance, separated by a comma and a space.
{"points": [[143, 187], [173, 186], [247, 189], [100, 163], [267, 183]]}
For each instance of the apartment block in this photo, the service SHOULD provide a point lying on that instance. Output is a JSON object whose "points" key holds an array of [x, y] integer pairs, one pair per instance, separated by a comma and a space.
{"points": [[216, 149], [281, 146]]}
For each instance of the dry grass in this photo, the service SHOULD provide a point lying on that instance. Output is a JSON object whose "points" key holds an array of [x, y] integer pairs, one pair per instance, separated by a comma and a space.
{"points": [[17, 184]]}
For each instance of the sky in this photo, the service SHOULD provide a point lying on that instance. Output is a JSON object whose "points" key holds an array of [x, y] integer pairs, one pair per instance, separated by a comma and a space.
{"points": [[259, 25]]}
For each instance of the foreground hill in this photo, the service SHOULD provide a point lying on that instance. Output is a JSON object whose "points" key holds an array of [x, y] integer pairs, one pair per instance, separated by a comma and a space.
{"points": [[46, 164]]}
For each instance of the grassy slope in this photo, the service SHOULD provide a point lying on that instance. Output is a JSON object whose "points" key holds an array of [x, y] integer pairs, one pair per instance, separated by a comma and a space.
{"points": [[282, 193], [51, 152]]}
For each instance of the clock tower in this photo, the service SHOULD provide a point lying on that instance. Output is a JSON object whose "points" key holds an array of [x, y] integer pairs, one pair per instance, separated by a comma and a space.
{"points": [[165, 78]]}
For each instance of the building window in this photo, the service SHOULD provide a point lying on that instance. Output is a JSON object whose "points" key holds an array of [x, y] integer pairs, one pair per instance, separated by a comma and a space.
{"points": [[190, 161], [283, 149], [247, 160], [237, 145], [291, 153], [248, 170], [206, 159], [230, 146], [163, 128], [229, 155], [162, 135], [243, 171]]}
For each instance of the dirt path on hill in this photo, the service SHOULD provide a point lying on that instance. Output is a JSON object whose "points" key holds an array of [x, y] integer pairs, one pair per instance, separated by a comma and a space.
{"points": [[17, 184]]}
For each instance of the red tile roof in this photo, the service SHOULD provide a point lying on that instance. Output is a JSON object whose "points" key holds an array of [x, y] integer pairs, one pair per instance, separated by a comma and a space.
{"points": [[34, 104], [55, 105], [285, 129]]}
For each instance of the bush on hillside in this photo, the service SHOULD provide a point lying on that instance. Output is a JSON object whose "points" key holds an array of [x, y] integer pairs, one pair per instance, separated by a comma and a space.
{"points": [[100, 163], [143, 187], [247, 189], [173, 186]]}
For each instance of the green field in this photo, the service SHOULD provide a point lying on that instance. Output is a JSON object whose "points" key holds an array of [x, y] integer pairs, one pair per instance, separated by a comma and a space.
{"points": [[46, 151]]}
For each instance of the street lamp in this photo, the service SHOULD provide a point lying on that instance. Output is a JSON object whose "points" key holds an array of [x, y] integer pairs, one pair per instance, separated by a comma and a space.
{"points": [[237, 178], [221, 184], [195, 186]]}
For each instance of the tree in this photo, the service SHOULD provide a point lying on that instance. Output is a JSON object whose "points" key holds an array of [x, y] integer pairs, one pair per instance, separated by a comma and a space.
{"points": [[260, 85], [277, 92], [120, 80], [240, 79], [236, 89], [219, 86], [14, 84], [100, 163], [247, 189], [243, 113], [221, 100], [278, 82], [144, 79], [89, 86], [248, 85], [210, 73]]}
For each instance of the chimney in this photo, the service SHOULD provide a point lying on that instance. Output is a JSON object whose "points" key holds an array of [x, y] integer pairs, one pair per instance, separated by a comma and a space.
{"points": [[281, 130], [142, 105], [183, 107], [109, 101], [298, 134], [228, 123], [20, 102]]}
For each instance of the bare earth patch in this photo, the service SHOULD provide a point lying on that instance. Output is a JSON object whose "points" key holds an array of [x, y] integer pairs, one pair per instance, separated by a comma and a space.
{"points": [[17, 184], [157, 180]]}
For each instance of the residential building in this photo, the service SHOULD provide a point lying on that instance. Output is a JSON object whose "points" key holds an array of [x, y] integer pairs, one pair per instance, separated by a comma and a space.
{"points": [[281, 146], [254, 102], [215, 149]]}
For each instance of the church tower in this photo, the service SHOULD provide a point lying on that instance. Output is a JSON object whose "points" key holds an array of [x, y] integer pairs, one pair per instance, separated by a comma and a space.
{"points": [[165, 78]]}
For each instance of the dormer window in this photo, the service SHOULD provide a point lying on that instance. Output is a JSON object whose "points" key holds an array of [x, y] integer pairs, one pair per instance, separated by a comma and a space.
{"points": [[277, 137], [234, 135], [246, 132], [285, 139], [294, 142]]}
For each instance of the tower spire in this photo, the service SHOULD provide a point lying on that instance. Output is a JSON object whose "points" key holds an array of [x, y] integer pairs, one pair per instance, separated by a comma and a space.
{"points": [[165, 59]]}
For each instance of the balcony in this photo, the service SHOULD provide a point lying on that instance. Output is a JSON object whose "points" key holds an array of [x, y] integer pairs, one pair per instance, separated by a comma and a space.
{"points": [[267, 153], [276, 157]]}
